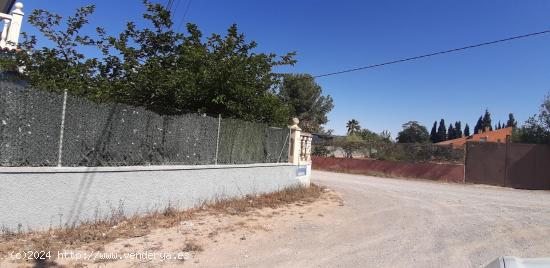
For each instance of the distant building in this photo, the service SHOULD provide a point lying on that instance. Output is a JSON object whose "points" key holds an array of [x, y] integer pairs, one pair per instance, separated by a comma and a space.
{"points": [[321, 139], [499, 135]]}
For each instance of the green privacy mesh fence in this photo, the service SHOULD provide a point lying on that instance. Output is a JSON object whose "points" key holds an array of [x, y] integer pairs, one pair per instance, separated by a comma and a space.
{"points": [[246, 142], [116, 134]]}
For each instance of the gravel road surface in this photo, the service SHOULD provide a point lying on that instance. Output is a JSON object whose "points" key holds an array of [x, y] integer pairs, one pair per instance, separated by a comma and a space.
{"points": [[400, 223]]}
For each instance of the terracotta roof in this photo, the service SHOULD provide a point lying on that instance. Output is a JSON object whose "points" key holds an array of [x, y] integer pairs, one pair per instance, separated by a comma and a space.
{"points": [[498, 135]]}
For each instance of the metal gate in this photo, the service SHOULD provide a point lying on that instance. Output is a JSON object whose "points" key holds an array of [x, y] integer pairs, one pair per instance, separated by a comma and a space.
{"points": [[524, 166]]}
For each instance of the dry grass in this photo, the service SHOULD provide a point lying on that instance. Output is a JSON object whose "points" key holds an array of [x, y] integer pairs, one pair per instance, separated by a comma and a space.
{"points": [[235, 206], [96, 233], [192, 246]]}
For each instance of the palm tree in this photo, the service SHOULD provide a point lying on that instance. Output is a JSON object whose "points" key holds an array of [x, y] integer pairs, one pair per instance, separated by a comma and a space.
{"points": [[353, 126]]}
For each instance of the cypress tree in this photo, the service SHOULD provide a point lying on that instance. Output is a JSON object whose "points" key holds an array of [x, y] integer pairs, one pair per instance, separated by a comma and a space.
{"points": [[511, 121], [441, 131], [478, 126], [486, 121], [467, 130], [451, 132], [458, 130], [433, 133]]}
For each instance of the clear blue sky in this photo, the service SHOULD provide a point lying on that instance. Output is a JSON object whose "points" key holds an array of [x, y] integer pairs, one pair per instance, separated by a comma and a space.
{"points": [[334, 35]]}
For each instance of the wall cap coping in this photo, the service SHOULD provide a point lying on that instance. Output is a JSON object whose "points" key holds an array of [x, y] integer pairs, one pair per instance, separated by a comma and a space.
{"points": [[18, 170]]}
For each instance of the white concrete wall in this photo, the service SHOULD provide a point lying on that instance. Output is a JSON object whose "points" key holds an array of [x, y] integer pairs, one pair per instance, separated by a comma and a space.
{"points": [[303, 173], [43, 197]]}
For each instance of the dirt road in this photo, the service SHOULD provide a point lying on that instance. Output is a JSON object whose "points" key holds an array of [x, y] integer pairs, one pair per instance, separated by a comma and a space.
{"points": [[361, 221], [399, 223]]}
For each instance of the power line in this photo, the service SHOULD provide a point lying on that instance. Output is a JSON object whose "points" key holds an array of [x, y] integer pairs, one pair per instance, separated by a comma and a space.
{"points": [[169, 5], [172, 13], [177, 5], [184, 14], [433, 54]]}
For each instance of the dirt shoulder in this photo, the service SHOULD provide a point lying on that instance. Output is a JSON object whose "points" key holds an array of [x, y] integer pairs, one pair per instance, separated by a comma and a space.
{"points": [[167, 238]]}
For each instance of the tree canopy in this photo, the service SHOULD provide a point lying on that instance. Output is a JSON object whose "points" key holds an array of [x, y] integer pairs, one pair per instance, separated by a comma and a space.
{"points": [[451, 132], [441, 131], [537, 128], [486, 121], [413, 132], [458, 130], [163, 70], [479, 125], [511, 121], [466, 130], [433, 133], [353, 126], [305, 100]]}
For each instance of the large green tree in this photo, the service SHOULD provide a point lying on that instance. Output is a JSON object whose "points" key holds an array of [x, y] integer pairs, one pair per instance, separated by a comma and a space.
{"points": [[62, 65], [156, 67], [306, 101], [533, 131], [537, 128], [413, 132]]}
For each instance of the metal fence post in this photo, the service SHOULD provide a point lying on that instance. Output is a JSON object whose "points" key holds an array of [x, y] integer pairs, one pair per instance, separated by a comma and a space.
{"points": [[60, 152], [218, 138]]}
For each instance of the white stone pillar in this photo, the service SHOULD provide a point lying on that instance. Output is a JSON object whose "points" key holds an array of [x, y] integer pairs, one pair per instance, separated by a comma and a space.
{"points": [[15, 26], [4, 35], [306, 150], [295, 142]]}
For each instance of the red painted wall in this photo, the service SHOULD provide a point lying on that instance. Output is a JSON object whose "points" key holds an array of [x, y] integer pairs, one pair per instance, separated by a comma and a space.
{"points": [[429, 171]]}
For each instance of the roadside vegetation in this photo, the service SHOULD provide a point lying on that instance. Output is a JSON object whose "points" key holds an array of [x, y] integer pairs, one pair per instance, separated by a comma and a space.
{"points": [[412, 145]]}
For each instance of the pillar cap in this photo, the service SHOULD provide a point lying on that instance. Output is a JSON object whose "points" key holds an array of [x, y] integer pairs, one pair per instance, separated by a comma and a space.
{"points": [[294, 124]]}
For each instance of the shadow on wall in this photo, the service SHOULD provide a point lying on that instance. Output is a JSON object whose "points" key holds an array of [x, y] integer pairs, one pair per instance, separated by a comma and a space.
{"points": [[80, 197], [88, 178]]}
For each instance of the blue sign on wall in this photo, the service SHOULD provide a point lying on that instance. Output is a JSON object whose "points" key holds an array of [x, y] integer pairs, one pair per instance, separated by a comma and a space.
{"points": [[301, 171]]}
